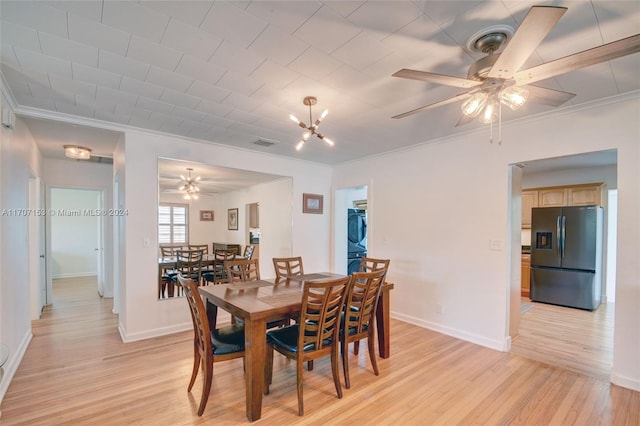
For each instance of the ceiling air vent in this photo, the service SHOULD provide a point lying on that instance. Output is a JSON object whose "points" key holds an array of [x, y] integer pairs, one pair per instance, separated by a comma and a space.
{"points": [[264, 142]]}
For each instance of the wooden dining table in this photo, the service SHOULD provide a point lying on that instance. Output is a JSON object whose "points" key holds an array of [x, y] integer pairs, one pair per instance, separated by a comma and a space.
{"points": [[258, 302]]}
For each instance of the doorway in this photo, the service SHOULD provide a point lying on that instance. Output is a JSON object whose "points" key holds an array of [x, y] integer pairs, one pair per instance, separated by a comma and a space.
{"points": [[575, 339], [75, 236], [350, 218]]}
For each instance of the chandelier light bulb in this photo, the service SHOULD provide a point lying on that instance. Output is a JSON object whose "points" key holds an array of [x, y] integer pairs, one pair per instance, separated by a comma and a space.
{"points": [[300, 145], [474, 104], [328, 141], [514, 97], [294, 119], [487, 114]]}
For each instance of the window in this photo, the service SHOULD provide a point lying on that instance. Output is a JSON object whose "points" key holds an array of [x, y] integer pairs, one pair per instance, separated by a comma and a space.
{"points": [[173, 224]]}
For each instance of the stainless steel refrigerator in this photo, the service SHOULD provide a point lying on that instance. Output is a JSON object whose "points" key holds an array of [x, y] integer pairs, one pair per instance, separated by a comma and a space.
{"points": [[566, 256]]}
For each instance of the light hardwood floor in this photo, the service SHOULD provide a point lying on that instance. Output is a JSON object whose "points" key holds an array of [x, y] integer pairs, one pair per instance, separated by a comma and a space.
{"points": [[77, 372], [575, 339]]}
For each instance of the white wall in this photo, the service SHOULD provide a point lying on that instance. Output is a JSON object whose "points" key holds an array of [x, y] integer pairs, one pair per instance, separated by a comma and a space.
{"points": [[142, 315], [20, 159], [456, 195], [74, 236]]}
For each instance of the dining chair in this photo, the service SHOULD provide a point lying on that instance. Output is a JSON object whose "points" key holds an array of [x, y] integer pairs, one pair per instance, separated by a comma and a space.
{"points": [[168, 275], [245, 270], [203, 247], [189, 265], [357, 319], [287, 267], [369, 264], [242, 270], [210, 344], [219, 274], [248, 251], [316, 335]]}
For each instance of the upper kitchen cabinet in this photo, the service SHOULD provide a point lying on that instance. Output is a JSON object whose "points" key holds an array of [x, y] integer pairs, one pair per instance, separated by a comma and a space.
{"points": [[559, 196], [552, 197], [529, 201]]}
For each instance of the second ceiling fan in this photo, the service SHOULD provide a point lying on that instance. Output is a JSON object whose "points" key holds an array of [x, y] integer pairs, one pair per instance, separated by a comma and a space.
{"points": [[497, 80]]}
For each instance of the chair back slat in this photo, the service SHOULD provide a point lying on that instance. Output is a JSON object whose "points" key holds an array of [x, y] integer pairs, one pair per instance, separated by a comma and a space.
{"points": [[198, 316], [203, 247]]}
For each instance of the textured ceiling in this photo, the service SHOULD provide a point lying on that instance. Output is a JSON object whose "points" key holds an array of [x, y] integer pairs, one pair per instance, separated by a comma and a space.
{"points": [[232, 72]]}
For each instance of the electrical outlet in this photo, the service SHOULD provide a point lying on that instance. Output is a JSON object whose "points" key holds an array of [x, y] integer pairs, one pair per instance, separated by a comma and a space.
{"points": [[146, 243], [439, 308]]}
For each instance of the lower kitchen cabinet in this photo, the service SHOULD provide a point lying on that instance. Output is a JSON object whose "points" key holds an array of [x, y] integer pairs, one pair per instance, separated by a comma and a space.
{"points": [[525, 281]]}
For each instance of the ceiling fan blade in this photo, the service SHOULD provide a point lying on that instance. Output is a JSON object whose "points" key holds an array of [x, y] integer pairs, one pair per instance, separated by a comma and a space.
{"points": [[465, 119], [534, 28], [542, 95], [436, 78], [459, 97], [606, 52]]}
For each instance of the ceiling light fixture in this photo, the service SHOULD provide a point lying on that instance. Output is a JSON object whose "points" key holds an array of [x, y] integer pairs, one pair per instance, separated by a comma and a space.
{"points": [[77, 152], [312, 128], [188, 187]]}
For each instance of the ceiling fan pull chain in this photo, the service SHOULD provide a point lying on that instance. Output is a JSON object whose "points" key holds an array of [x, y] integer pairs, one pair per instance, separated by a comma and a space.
{"points": [[500, 123]]}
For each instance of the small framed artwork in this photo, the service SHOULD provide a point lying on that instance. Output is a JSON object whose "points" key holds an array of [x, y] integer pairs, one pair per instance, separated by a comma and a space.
{"points": [[312, 203], [206, 215], [232, 220]]}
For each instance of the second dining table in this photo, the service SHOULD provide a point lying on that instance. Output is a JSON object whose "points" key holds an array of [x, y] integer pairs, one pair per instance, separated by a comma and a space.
{"points": [[258, 302]]}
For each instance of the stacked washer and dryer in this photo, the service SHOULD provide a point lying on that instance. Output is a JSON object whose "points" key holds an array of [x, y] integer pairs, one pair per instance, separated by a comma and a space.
{"points": [[356, 238]]}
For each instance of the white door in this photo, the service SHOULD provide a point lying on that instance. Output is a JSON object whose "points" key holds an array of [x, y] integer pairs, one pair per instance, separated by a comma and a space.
{"points": [[37, 282]]}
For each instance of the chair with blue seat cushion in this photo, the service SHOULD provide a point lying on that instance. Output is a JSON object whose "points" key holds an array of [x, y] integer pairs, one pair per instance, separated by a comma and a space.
{"points": [[210, 344], [315, 335], [359, 311]]}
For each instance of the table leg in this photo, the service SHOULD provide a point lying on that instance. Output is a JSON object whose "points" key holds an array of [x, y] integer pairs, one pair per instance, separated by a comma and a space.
{"points": [[255, 353], [212, 315], [383, 322]]}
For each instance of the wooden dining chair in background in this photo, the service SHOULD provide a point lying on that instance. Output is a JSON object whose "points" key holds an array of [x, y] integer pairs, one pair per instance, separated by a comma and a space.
{"points": [[287, 267], [316, 335], [203, 247], [189, 265], [219, 274], [210, 344], [359, 311], [242, 270], [369, 264]]}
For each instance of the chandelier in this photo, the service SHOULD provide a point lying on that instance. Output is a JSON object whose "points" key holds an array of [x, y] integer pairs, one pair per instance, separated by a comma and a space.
{"points": [[312, 129], [189, 187]]}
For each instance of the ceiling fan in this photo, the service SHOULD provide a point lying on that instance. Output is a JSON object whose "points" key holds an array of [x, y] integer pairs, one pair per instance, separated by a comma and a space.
{"points": [[497, 79]]}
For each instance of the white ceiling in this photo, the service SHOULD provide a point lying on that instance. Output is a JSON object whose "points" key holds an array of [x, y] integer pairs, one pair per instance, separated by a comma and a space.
{"points": [[232, 72]]}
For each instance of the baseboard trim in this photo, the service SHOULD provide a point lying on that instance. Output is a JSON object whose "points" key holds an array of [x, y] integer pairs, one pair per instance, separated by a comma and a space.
{"points": [[75, 275], [624, 381], [12, 364], [502, 346]]}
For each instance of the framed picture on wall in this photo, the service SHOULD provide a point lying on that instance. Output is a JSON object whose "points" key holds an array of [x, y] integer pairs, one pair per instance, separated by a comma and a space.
{"points": [[206, 215], [232, 220], [312, 203]]}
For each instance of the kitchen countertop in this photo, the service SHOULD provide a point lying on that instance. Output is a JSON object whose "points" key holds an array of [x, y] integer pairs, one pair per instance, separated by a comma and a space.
{"points": [[526, 249]]}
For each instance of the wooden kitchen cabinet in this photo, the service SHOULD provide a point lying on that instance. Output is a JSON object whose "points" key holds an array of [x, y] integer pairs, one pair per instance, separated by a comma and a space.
{"points": [[585, 195], [529, 201], [552, 197], [525, 281]]}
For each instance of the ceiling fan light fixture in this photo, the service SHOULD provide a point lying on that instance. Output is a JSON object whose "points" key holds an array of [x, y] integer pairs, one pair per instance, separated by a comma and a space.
{"points": [[514, 97], [77, 152], [474, 104], [189, 188]]}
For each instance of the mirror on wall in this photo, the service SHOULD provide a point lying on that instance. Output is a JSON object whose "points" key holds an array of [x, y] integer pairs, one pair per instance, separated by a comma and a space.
{"points": [[207, 206]]}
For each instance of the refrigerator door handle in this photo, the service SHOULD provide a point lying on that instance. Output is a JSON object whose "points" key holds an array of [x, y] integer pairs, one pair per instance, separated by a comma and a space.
{"points": [[564, 234], [559, 235]]}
